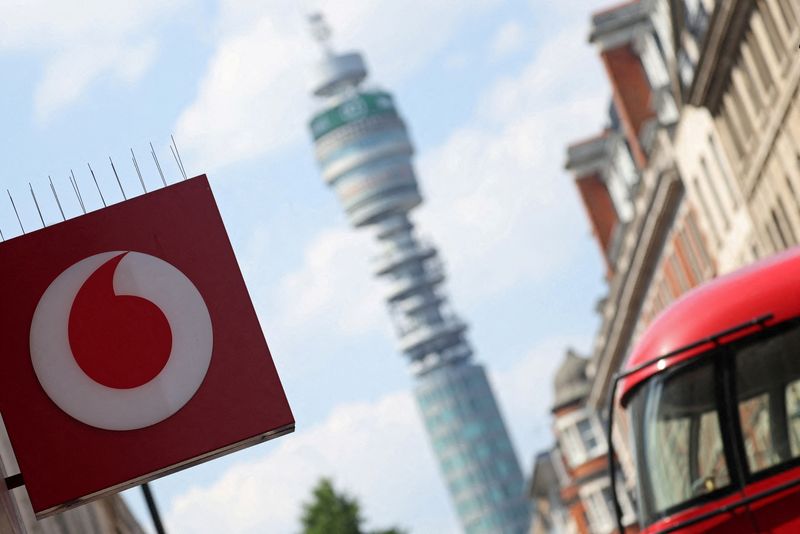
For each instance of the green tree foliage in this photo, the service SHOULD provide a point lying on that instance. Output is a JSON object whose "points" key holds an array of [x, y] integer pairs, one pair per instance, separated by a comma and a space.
{"points": [[330, 512]]}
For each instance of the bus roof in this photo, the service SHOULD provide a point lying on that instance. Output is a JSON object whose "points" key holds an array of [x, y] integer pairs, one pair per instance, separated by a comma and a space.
{"points": [[770, 286]]}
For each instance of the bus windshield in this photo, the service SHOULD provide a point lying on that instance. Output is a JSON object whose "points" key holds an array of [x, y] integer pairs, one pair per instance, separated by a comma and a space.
{"points": [[679, 444], [684, 438]]}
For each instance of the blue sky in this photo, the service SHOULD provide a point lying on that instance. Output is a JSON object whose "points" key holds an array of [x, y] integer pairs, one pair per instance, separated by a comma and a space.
{"points": [[492, 91]]}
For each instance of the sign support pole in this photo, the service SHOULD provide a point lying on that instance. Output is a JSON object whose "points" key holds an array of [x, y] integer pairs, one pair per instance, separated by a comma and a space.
{"points": [[153, 508], [10, 520]]}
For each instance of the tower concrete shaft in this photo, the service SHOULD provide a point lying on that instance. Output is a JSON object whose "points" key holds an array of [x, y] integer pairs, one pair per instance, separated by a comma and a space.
{"points": [[365, 155]]}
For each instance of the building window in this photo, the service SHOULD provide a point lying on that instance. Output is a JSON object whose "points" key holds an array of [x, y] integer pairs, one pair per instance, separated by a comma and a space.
{"points": [[741, 98], [785, 218], [776, 222], [787, 13], [581, 438], [685, 68], [792, 192], [619, 196], [688, 264], [680, 274], [761, 62], [659, 301], [711, 222], [623, 161], [600, 515], [696, 18], [733, 134], [621, 178], [698, 240], [662, 22], [748, 64], [769, 231], [666, 294], [691, 257], [570, 443], [738, 114], [775, 15], [772, 30], [672, 277], [653, 61], [743, 74], [723, 213], [587, 434], [721, 168], [599, 505]]}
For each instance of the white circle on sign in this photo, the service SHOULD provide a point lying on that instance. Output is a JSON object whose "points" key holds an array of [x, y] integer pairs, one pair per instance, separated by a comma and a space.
{"points": [[111, 408]]}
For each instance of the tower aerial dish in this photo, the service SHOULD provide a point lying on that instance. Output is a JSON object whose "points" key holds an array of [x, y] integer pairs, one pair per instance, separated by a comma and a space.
{"points": [[336, 73], [321, 30]]}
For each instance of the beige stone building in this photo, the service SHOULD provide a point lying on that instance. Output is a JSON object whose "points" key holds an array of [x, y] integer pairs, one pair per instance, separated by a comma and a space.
{"points": [[739, 135]]}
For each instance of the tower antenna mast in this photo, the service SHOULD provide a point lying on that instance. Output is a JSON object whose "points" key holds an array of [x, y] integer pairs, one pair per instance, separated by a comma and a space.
{"points": [[321, 31]]}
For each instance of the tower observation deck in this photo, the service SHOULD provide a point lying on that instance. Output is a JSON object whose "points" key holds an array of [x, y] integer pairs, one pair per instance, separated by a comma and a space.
{"points": [[365, 156]]}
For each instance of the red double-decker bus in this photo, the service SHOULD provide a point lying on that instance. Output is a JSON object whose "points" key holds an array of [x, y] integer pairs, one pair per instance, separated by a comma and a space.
{"points": [[712, 396]]}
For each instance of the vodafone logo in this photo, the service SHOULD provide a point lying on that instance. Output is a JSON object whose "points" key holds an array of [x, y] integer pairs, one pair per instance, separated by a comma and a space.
{"points": [[121, 340]]}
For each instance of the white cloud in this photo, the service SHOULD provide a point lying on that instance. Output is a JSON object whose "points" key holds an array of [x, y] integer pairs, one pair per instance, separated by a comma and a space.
{"points": [[509, 38], [376, 452], [566, 69], [69, 73], [48, 24], [329, 302], [333, 289], [497, 198], [254, 97], [82, 41]]}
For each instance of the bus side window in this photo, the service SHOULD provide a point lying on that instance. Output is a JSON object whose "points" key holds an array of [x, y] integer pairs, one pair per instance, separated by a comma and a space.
{"points": [[754, 415], [768, 391], [793, 415]]}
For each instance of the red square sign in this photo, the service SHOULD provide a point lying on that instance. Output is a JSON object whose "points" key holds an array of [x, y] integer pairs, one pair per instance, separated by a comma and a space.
{"points": [[130, 348]]}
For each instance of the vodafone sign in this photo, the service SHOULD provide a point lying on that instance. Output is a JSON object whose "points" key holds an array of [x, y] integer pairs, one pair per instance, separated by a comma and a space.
{"points": [[112, 332], [134, 349]]}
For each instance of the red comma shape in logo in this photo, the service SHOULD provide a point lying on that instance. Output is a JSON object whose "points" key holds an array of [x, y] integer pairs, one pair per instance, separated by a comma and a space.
{"points": [[121, 340]]}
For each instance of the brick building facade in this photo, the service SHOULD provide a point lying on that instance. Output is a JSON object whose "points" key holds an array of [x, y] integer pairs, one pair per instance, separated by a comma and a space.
{"points": [[705, 102]]}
